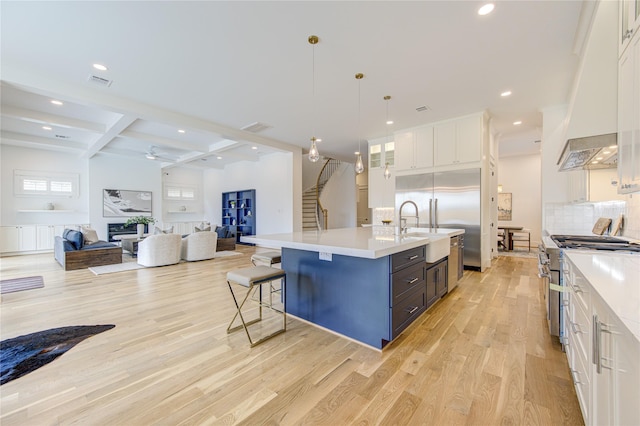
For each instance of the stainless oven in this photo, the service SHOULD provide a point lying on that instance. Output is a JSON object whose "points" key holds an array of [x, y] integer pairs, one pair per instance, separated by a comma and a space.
{"points": [[549, 271], [550, 259]]}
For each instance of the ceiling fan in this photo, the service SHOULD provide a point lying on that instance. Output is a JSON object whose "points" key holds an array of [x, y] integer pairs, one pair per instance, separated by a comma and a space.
{"points": [[152, 154]]}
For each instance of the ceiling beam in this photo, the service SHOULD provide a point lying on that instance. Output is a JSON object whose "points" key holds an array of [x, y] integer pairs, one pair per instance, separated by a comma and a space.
{"points": [[157, 140], [51, 119], [116, 128], [19, 139]]}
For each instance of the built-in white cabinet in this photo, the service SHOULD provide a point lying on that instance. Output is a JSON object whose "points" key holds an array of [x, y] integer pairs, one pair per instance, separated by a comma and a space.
{"points": [[629, 22], [29, 238], [414, 148], [18, 238], [629, 118], [458, 141], [382, 151], [602, 354]]}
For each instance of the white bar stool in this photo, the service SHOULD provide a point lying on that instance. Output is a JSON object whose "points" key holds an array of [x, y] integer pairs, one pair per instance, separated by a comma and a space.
{"points": [[267, 258], [255, 277]]}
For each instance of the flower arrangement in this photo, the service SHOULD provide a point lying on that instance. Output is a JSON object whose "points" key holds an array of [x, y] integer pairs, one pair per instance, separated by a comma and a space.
{"points": [[142, 220]]}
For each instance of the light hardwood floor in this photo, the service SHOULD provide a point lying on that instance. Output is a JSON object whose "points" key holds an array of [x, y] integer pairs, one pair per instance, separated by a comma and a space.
{"points": [[481, 356]]}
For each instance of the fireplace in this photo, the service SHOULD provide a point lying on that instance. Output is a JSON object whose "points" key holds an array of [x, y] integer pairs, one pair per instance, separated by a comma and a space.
{"points": [[114, 229]]}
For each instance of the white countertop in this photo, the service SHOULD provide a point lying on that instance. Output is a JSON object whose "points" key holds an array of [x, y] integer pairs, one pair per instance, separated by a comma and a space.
{"points": [[367, 242], [616, 278]]}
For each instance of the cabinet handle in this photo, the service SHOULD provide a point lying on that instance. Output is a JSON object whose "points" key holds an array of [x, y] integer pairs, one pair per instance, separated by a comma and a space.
{"points": [[597, 350], [574, 375], [413, 280], [413, 257], [412, 310], [575, 288], [575, 329]]}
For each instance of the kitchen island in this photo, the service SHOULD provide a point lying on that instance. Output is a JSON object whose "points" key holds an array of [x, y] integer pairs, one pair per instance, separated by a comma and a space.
{"points": [[364, 283]]}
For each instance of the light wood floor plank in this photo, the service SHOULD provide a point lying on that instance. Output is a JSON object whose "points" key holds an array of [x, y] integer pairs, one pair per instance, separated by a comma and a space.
{"points": [[482, 355]]}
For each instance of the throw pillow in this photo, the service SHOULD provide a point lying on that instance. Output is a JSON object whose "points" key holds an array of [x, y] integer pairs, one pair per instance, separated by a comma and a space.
{"points": [[203, 228], [221, 231], [168, 230], [90, 235], [74, 237]]}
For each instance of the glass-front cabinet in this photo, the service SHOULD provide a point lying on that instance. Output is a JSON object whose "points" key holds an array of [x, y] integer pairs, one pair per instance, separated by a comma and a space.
{"points": [[381, 153], [629, 22]]}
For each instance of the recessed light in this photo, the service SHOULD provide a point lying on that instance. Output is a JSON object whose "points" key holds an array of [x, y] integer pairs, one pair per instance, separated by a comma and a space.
{"points": [[56, 102], [613, 147], [219, 158], [181, 131], [100, 67], [254, 147], [505, 93], [594, 162], [47, 128], [606, 152], [486, 9], [517, 123], [599, 158], [390, 122]]}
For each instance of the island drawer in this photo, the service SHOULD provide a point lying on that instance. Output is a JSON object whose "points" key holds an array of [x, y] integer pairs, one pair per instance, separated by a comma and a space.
{"points": [[407, 310], [408, 257], [406, 280]]}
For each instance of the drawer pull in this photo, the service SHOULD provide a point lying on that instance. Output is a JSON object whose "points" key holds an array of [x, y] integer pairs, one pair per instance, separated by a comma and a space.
{"points": [[412, 310], [415, 256], [413, 280], [575, 288], [574, 375], [575, 328]]}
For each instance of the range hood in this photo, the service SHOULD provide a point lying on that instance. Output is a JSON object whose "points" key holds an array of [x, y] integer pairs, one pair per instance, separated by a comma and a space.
{"points": [[591, 152]]}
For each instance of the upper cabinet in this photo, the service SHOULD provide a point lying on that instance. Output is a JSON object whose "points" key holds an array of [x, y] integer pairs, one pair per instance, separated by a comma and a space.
{"points": [[414, 148], [381, 153], [458, 141], [629, 115], [629, 22]]}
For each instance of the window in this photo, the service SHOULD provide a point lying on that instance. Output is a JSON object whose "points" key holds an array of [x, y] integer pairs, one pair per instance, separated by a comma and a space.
{"points": [[179, 192], [37, 183]]}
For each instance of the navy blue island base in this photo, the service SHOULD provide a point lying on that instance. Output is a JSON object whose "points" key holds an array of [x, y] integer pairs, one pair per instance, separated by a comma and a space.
{"points": [[353, 295]]}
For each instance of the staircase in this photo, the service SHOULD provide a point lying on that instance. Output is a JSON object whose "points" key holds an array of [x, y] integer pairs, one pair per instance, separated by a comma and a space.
{"points": [[309, 221], [310, 198]]}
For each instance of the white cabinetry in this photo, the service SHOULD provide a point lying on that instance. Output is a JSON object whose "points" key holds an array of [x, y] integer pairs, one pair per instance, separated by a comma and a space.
{"points": [[414, 148], [381, 190], [45, 236], [629, 118], [629, 22], [458, 141], [602, 353], [18, 238]]}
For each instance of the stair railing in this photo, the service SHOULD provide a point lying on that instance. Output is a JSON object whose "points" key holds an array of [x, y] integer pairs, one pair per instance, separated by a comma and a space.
{"points": [[322, 214]]}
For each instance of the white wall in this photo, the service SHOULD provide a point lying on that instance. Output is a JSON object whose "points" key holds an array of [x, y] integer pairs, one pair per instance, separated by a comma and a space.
{"points": [[18, 158], [555, 184], [520, 175], [182, 176], [272, 178], [600, 188], [310, 171], [106, 172], [339, 197]]}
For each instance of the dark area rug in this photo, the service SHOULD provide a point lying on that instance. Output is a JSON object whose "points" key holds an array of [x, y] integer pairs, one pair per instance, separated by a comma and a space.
{"points": [[24, 354], [20, 284]]}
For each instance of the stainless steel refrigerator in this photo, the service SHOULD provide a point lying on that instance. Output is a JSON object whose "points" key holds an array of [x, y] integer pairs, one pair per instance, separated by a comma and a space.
{"points": [[446, 200]]}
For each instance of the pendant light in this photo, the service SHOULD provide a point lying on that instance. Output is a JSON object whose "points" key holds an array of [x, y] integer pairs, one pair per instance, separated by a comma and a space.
{"points": [[387, 172], [359, 166], [314, 155]]}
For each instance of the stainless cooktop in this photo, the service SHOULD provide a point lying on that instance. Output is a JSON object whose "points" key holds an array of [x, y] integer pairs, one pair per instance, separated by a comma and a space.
{"points": [[594, 242]]}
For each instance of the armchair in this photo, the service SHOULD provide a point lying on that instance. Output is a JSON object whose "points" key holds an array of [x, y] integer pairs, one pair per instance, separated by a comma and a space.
{"points": [[199, 246], [159, 250]]}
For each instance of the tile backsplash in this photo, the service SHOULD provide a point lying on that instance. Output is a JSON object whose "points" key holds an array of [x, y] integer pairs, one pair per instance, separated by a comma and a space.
{"points": [[580, 218], [631, 228]]}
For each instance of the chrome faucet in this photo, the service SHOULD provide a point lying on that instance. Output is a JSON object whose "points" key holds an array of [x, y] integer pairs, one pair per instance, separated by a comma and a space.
{"points": [[401, 218]]}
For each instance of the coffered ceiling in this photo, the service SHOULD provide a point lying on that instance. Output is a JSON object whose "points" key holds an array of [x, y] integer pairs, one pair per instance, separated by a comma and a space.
{"points": [[212, 69]]}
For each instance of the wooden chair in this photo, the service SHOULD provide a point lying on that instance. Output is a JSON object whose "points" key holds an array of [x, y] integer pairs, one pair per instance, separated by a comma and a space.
{"points": [[522, 236], [501, 243]]}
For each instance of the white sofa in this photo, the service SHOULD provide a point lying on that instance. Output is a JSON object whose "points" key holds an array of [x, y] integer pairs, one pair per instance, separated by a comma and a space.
{"points": [[199, 246], [160, 250]]}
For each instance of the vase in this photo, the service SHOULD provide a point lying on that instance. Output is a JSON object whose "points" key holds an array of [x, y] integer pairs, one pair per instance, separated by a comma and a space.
{"points": [[140, 229]]}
